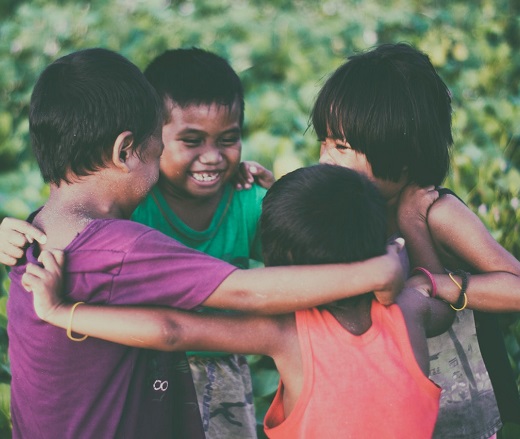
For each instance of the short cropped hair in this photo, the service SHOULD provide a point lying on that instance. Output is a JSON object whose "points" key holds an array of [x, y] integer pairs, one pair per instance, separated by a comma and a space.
{"points": [[80, 104], [322, 214], [390, 104], [195, 77]]}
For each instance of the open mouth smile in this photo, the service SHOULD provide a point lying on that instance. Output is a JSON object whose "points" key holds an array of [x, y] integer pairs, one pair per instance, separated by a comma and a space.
{"points": [[205, 177]]}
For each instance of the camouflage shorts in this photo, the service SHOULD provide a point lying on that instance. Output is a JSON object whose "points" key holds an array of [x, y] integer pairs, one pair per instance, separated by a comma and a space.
{"points": [[225, 396]]}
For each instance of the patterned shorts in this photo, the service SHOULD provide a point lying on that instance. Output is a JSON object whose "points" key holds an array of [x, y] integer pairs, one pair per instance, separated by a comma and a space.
{"points": [[225, 396]]}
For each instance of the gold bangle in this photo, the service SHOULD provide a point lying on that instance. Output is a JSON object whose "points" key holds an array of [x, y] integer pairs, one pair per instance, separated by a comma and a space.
{"points": [[462, 289], [455, 281], [69, 327], [463, 306]]}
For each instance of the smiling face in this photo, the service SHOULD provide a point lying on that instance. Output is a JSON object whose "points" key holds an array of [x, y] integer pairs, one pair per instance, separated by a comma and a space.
{"points": [[339, 152], [202, 146]]}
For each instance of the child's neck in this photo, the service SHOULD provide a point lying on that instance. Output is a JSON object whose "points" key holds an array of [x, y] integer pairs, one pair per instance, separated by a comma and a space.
{"points": [[353, 314], [196, 212], [71, 208]]}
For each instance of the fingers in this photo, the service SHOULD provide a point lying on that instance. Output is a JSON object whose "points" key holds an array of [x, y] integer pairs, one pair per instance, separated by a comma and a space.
{"points": [[15, 225], [52, 260], [33, 274], [10, 255], [263, 176], [28, 281], [249, 172], [396, 245], [244, 178], [15, 235], [59, 256]]}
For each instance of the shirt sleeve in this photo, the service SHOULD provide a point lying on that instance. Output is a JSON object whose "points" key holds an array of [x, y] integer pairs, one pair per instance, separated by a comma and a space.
{"points": [[161, 271]]}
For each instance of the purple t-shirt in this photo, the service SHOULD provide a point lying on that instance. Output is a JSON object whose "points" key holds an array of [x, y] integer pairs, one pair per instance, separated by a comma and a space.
{"points": [[96, 389]]}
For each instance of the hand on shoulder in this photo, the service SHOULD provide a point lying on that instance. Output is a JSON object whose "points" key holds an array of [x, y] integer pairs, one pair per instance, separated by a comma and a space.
{"points": [[15, 236]]}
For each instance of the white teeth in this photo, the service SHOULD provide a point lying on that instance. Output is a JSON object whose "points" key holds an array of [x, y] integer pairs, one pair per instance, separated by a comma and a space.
{"points": [[205, 176]]}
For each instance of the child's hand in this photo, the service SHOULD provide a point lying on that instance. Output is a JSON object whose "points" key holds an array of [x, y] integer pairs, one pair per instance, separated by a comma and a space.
{"points": [[249, 172], [15, 235], [414, 203], [394, 263], [45, 283]]}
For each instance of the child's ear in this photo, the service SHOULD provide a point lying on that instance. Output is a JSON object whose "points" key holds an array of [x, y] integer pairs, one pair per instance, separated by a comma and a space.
{"points": [[122, 150]]}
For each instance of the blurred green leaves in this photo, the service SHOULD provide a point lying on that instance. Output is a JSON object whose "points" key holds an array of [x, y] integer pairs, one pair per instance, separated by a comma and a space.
{"points": [[283, 50]]}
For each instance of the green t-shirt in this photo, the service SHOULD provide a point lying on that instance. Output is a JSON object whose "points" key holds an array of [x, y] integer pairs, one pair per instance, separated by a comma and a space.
{"points": [[232, 235]]}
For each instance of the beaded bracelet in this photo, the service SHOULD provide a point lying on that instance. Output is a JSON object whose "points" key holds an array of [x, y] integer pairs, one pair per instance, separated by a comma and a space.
{"points": [[69, 327], [462, 301], [429, 276]]}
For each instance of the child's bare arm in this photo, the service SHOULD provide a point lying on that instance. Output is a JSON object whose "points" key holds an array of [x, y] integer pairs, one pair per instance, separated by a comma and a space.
{"points": [[424, 317], [151, 327], [15, 235], [414, 204], [435, 314], [249, 172], [277, 290], [455, 228]]}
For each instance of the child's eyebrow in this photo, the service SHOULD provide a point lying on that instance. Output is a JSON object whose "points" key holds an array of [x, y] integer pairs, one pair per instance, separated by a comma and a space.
{"points": [[235, 130], [191, 131]]}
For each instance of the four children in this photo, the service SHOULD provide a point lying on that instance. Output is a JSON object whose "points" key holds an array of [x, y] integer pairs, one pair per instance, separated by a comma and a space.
{"points": [[344, 366], [386, 114], [95, 125]]}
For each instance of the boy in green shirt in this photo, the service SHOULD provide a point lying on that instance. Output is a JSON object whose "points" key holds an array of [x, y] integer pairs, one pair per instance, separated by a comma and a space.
{"points": [[196, 203]]}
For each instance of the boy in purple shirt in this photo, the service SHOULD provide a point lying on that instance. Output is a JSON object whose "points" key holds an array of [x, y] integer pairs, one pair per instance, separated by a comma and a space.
{"points": [[95, 126]]}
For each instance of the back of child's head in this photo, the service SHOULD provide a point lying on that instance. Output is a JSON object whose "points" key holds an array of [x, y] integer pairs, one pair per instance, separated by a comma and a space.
{"points": [[80, 104], [195, 77], [322, 214], [390, 104]]}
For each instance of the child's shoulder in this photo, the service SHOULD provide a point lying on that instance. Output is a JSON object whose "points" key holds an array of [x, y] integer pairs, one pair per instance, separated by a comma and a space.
{"points": [[446, 209], [253, 195], [114, 234], [248, 204]]}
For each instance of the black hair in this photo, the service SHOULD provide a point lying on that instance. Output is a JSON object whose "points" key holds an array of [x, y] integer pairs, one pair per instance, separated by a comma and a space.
{"points": [[80, 104], [195, 77], [390, 104], [322, 214]]}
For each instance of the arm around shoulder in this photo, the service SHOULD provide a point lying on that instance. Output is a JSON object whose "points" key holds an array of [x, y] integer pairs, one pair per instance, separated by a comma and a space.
{"points": [[277, 290]]}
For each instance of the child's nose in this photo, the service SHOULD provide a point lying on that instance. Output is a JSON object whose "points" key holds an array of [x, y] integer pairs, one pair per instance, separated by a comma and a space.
{"points": [[210, 155], [324, 155]]}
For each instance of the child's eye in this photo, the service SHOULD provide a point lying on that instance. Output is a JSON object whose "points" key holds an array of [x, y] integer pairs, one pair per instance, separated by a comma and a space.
{"points": [[342, 146], [191, 142], [229, 141]]}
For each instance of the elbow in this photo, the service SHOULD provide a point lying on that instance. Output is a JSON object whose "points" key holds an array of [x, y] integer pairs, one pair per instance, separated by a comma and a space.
{"points": [[170, 336]]}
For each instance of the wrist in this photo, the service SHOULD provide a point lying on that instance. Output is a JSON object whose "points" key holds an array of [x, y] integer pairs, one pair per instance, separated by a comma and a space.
{"points": [[391, 280], [58, 315], [447, 290]]}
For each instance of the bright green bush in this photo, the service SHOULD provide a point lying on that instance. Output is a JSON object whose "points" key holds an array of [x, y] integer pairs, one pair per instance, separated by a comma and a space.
{"points": [[282, 50]]}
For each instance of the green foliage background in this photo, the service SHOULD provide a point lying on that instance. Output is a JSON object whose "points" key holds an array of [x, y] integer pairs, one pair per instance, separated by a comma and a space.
{"points": [[282, 50]]}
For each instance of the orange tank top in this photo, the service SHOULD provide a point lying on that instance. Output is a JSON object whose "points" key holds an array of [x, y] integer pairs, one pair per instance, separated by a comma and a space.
{"points": [[367, 386]]}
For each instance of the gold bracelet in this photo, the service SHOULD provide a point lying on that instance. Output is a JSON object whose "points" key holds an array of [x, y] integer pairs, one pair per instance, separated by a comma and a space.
{"points": [[463, 293], [463, 306], [69, 327], [455, 281]]}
